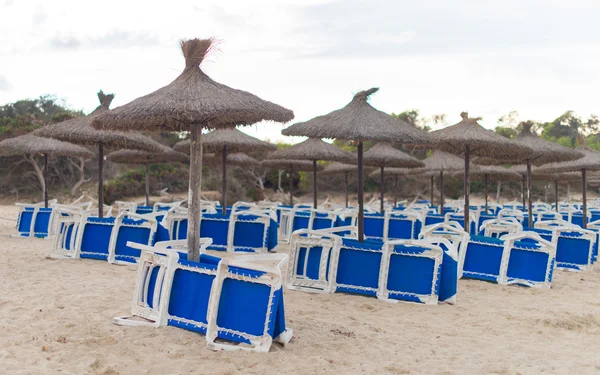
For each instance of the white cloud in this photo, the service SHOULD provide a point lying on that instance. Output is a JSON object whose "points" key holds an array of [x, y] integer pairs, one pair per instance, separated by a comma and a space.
{"points": [[537, 57]]}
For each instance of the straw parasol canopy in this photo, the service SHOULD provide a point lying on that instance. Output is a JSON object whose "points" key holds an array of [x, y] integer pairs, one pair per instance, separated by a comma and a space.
{"points": [[383, 154], [467, 138], [543, 152], [589, 161], [79, 131], [313, 149], [31, 145], [143, 157], [291, 166], [168, 155], [231, 138], [359, 121], [191, 102], [241, 159], [222, 141]]}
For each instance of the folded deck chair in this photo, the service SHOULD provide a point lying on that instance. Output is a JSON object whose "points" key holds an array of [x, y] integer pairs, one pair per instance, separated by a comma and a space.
{"points": [[107, 238], [251, 231], [411, 270], [460, 219], [237, 302], [499, 227], [481, 219], [574, 245], [130, 227], [522, 258], [34, 220], [374, 226], [431, 219], [506, 213], [405, 225], [67, 223], [313, 259], [450, 230], [284, 218]]}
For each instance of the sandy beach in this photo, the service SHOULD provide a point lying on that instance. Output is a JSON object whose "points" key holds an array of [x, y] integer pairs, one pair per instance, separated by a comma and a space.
{"points": [[56, 317]]}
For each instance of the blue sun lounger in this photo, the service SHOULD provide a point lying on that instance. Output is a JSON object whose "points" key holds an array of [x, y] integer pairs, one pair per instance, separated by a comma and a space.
{"points": [[239, 231], [574, 245], [407, 270], [411, 270], [84, 236], [523, 258], [34, 220], [237, 303]]}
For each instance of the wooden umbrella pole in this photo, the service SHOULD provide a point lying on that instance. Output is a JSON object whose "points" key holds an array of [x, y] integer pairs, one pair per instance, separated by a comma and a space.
{"points": [[224, 183], [466, 187], [361, 233], [147, 182], [291, 186], [556, 194], [441, 192], [46, 180], [431, 191], [529, 204], [395, 191], [346, 187], [193, 232], [584, 197], [523, 191], [381, 190], [314, 184], [485, 178], [100, 180]]}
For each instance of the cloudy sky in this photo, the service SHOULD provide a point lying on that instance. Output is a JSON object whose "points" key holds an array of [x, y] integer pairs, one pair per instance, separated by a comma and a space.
{"points": [[538, 57]]}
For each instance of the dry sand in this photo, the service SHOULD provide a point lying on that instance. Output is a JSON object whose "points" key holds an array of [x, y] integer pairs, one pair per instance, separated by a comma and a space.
{"points": [[55, 317]]}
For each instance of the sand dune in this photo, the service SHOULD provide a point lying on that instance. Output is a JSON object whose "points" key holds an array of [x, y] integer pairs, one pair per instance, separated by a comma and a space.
{"points": [[55, 317]]}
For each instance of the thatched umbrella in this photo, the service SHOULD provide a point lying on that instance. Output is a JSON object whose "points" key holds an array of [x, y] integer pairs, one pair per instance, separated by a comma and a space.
{"points": [[484, 173], [543, 152], [191, 102], [31, 145], [313, 149], [358, 121], [335, 168], [79, 131], [589, 161], [383, 155], [440, 162], [146, 158], [291, 166], [467, 138], [222, 141]]}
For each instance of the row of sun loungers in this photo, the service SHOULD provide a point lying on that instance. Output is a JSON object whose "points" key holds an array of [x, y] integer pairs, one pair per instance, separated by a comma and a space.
{"points": [[234, 295]]}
